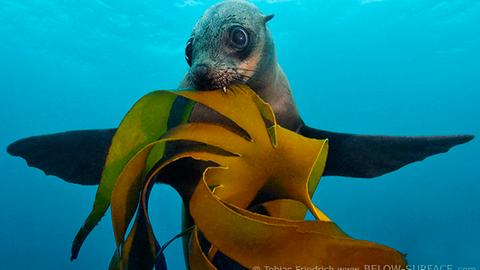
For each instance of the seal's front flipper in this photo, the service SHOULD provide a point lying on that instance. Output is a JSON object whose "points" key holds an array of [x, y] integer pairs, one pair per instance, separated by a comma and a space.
{"points": [[75, 156], [78, 156], [371, 156]]}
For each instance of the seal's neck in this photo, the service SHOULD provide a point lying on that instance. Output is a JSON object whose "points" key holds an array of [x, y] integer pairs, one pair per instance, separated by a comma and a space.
{"points": [[273, 87]]}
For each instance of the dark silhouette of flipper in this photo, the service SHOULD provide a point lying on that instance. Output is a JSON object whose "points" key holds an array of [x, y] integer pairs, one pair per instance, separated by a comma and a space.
{"points": [[75, 156], [368, 156], [78, 156]]}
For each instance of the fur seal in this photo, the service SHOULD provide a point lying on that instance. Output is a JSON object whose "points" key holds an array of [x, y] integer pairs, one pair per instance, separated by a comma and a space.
{"points": [[231, 44]]}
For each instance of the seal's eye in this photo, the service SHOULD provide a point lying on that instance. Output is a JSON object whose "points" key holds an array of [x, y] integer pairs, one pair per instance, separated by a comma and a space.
{"points": [[188, 51], [239, 37]]}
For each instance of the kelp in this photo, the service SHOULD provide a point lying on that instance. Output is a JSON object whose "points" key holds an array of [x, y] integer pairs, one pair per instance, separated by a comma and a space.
{"points": [[256, 165], [146, 121]]}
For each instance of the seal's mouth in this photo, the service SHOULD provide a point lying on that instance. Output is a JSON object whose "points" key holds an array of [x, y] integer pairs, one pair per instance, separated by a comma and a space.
{"points": [[221, 78]]}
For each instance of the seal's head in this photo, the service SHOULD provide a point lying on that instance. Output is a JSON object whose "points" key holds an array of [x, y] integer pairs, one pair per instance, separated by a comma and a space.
{"points": [[229, 44]]}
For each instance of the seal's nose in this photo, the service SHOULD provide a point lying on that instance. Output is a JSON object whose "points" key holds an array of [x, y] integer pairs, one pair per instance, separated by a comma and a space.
{"points": [[200, 71]]}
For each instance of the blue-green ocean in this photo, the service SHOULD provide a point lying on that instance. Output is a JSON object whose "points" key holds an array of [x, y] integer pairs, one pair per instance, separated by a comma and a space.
{"points": [[391, 67]]}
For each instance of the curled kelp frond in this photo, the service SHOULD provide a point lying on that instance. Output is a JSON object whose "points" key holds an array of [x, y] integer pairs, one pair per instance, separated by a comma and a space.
{"points": [[272, 167]]}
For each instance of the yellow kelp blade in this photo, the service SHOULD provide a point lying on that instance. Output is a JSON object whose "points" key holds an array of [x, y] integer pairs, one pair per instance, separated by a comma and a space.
{"points": [[267, 241], [196, 258], [306, 159], [271, 164], [146, 121], [256, 166], [286, 169], [139, 250], [285, 208], [130, 182], [141, 242], [239, 104], [125, 193]]}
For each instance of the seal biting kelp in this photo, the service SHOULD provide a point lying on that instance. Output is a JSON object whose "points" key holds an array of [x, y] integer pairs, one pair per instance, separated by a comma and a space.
{"points": [[79, 156]]}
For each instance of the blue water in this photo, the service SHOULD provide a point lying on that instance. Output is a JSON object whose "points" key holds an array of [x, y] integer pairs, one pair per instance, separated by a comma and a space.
{"points": [[393, 67]]}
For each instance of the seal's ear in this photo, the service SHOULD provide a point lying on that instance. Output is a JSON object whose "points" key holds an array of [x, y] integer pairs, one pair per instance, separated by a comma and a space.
{"points": [[267, 18]]}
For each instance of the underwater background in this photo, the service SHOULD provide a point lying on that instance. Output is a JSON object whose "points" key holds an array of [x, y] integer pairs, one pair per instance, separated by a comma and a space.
{"points": [[392, 67]]}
